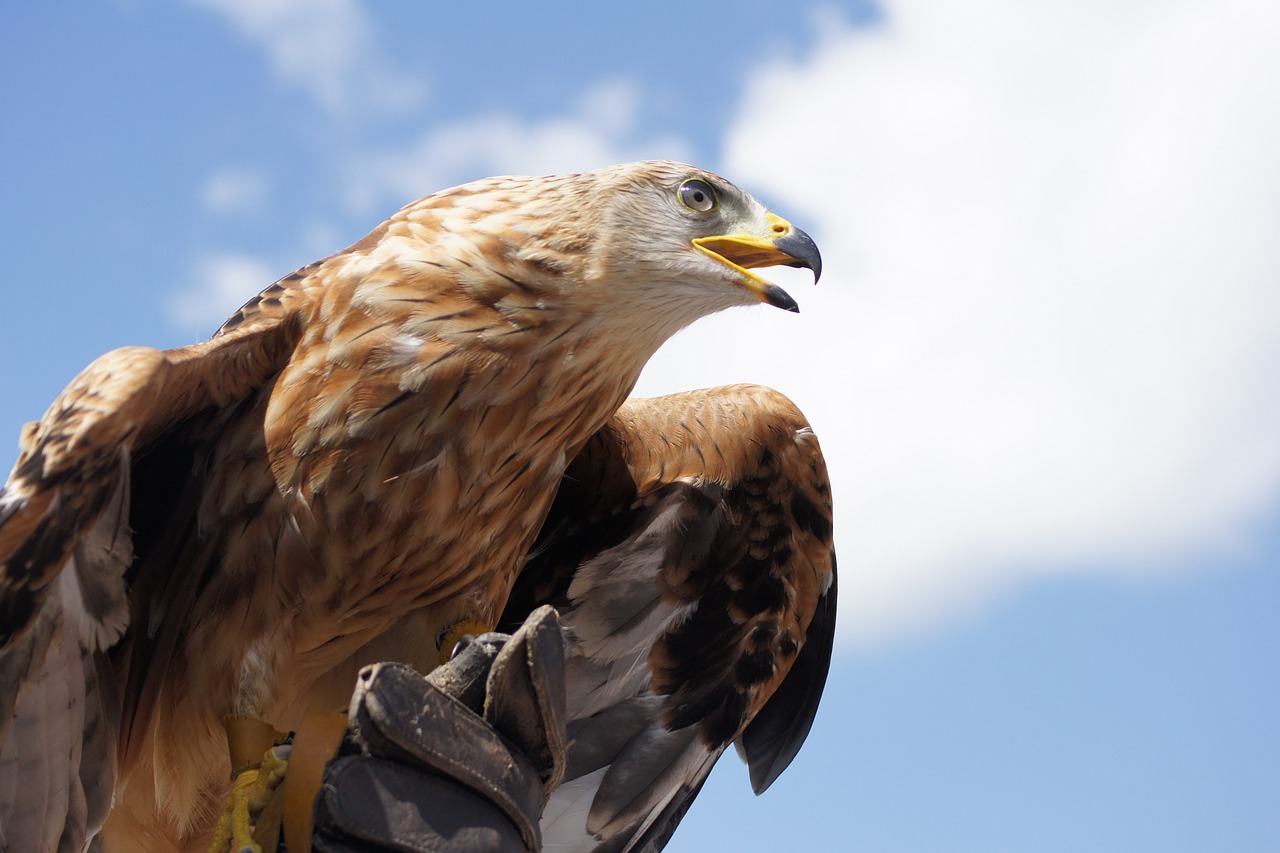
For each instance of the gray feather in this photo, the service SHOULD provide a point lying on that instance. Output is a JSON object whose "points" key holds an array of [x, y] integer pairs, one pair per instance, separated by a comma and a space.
{"points": [[625, 767], [95, 594], [59, 708]]}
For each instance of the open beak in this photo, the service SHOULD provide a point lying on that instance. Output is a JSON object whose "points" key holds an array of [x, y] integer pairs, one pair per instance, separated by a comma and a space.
{"points": [[782, 245]]}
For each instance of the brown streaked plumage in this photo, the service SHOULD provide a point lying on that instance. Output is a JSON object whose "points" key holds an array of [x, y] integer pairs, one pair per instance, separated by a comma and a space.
{"points": [[362, 456]]}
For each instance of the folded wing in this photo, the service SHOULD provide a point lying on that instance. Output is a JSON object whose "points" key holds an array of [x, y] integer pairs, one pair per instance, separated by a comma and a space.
{"points": [[66, 550], [690, 553]]}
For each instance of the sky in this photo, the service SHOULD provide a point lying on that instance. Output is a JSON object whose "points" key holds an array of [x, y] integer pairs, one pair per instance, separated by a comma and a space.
{"points": [[1042, 360]]}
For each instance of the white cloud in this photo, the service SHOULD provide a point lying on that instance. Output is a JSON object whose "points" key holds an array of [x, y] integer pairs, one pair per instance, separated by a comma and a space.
{"points": [[597, 131], [326, 48], [1049, 337], [222, 283], [235, 190]]}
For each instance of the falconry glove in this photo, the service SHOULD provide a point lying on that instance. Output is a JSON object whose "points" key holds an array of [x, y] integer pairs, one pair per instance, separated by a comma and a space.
{"points": [[460, 760]]}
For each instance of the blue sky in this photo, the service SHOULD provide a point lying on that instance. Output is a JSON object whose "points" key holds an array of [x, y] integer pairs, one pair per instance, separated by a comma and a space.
{"points": [[1042, 359]]}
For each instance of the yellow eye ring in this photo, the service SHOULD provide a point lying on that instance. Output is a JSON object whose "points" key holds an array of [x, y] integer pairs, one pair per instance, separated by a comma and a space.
{"points": [[698, 196]]}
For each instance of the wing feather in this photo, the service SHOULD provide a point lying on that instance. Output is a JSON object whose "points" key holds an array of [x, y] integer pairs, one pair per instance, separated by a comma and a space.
{"points": [[66, 547], [773, 739], [689, 551]]}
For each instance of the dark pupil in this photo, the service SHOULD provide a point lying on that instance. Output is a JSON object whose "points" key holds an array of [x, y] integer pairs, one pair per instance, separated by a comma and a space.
{"points": [[697, 196]]}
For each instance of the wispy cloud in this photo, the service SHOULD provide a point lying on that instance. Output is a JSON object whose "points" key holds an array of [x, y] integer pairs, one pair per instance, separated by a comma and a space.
{"points": [[325, 47], [599, 129], [220, 284], [235, 191], [1049, 339]]}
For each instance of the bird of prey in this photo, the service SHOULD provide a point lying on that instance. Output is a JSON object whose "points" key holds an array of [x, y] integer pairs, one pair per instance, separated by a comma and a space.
{"points": [[356, 467]]}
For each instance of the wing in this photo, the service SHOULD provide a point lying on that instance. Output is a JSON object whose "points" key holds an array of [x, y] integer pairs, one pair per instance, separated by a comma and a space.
{"points": [[66, 547], [689, 551]]}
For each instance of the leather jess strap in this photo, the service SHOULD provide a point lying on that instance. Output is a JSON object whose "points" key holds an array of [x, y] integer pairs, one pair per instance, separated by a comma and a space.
{"points": [[315, 743]]}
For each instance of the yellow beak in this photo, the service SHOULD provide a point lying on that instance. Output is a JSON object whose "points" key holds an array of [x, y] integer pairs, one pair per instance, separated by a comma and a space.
{"points": [[782, 245]]}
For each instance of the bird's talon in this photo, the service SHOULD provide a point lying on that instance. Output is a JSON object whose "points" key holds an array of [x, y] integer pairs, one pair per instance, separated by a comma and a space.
{"points": [[250, 791], [458, 636], [460, 646]]}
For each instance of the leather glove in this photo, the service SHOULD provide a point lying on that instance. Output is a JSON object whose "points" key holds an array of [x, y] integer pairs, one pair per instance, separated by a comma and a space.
{"points": [[460, 760]]}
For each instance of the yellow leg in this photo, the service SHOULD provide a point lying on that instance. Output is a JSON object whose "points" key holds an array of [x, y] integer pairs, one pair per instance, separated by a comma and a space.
{"points": [[250, 791], [253, 780]]}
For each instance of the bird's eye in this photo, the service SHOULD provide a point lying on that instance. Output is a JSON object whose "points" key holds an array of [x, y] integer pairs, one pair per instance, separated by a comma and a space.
{"points": [[699, 196]]}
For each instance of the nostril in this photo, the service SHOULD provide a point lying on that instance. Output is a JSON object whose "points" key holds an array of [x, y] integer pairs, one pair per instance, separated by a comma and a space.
{"points": [[779, 229]]}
